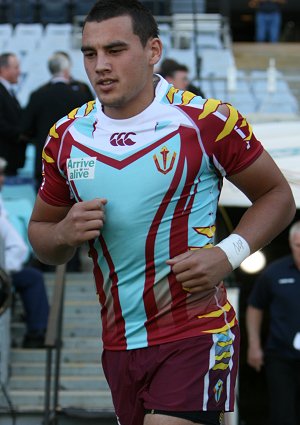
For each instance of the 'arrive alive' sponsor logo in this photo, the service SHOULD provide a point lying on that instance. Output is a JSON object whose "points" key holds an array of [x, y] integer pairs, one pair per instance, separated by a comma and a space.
{"points": [[81, 168]]}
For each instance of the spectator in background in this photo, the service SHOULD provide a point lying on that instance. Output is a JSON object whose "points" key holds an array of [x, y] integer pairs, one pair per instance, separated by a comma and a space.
{"points": [[11, 147], [76, 85], [267, 19], [26, 280], [178, 75], [51, 102], [47, 105], [278, 290]]}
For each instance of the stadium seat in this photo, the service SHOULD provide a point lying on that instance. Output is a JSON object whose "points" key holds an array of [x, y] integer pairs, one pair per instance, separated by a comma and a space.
{"points": [[82, 7], [56, 37], [24, 190], [157, 7], [165, 36], [21, 11], [6, 31], [55, 11], [28, 169], [215, 63], [188, 6], [26, 38], [31, 82]]}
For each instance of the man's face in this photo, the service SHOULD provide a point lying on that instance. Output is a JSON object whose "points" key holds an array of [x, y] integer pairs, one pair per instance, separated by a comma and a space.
{"points": [[295, 247], [11, 72], [180, 80], [118, 66]]}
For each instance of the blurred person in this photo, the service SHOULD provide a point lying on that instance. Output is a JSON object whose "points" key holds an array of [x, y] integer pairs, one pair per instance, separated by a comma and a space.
{"points": [[137, 175], [277, 293], [267, 19], [11, 146], [27, 281], [178, 75], [76, 85], [51, 102]]}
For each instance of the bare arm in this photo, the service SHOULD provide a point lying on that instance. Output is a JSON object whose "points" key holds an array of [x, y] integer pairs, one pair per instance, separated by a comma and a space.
{"points": [[273, 206], [272, 209], [255, 357], [55, 232]]}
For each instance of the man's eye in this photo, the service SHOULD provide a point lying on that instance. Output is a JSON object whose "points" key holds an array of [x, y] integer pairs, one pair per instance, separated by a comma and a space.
{"points": [[88, 54], [114, 51]]}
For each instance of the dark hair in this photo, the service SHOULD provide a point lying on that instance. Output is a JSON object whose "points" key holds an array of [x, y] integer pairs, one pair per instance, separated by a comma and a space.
{"points": [[168, 67], [143, 22], [4, 59]]}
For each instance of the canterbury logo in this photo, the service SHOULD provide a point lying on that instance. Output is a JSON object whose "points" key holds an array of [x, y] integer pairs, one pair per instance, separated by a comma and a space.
{"points": [[122, 139]]}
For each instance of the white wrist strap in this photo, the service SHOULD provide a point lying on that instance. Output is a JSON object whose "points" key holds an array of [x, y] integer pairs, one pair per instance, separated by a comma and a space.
{"points": [[236, 249]]}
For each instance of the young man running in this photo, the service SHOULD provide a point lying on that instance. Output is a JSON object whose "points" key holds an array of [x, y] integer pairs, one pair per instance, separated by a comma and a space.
{"points": [[137, 174]]}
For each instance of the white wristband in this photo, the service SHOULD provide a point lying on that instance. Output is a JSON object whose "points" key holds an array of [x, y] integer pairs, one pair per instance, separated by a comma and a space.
{"points": [[236, 249]]}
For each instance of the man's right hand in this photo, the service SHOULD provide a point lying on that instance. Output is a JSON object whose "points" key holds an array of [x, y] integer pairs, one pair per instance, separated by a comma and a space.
{"points": [[83, 222]]}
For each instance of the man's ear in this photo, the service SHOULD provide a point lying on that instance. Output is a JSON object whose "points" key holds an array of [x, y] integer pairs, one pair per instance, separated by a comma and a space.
{"points": [[155, 46]]}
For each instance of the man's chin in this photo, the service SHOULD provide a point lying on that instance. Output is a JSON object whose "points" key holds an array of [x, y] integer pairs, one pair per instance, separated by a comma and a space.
{"points": [[111, 103]]}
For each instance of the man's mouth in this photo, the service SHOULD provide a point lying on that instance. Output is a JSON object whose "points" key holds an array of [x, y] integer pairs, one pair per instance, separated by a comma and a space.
{"points": [[106, 83]]}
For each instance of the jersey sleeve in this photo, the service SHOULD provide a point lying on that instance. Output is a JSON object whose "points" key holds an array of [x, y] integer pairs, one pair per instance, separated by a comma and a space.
{"points": [[228, 139], [55, 189]]}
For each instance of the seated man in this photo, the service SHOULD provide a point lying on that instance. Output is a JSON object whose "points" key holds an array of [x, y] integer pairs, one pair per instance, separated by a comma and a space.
{"points": [[27, 281]]}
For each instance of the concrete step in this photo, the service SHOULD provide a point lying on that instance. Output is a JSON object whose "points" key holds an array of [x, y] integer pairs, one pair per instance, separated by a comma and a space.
{"points": [[82, 382], [90, 355], [70, 329], [67, 369], [33, 400], [23, 418], [72, 308], [67, 383]]}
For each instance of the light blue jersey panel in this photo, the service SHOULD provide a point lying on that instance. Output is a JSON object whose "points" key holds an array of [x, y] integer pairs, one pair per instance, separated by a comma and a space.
{"points": [[134, 195], [204, 207]]}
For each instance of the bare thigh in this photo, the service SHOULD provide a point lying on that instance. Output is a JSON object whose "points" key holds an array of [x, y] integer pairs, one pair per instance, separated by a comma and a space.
{"points": [[165, 420]]}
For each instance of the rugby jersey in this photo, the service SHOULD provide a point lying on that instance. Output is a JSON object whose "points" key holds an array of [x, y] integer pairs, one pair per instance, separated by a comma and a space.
{"points": [[161, 172]]}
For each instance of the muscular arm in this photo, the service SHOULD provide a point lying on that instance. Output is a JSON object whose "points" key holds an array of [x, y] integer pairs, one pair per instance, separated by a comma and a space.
{"points": [[55, 232], [272, 209], [273, 205], [254, 317]]}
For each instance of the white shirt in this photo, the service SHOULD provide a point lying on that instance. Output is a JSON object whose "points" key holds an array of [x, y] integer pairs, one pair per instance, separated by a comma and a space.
{"points": [[15, 249]]}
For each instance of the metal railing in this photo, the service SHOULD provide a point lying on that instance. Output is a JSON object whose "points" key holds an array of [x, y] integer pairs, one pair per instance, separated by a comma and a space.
{"points": [[53, 343]]}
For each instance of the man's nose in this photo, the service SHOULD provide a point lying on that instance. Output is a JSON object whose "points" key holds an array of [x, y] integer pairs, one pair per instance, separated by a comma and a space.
{"points": [[102, 64]]}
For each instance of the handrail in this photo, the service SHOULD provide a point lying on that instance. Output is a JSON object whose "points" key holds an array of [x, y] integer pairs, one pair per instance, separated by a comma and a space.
{"points": [[6, 282], [53, 341]]}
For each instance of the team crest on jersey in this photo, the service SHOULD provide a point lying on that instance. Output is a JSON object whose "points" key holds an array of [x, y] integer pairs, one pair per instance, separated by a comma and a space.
{"points": [[164, 164], [81, 168]]}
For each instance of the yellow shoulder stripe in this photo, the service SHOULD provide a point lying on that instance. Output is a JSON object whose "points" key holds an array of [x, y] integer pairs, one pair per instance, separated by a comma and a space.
{"points": [[47, 158]]}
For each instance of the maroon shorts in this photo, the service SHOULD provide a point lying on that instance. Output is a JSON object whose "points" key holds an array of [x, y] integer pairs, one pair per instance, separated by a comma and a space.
{"points": [[192, 375]]}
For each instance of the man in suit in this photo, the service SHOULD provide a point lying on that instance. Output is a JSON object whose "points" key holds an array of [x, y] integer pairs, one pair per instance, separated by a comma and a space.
{"points": [[51, 102], [11, 147]]}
